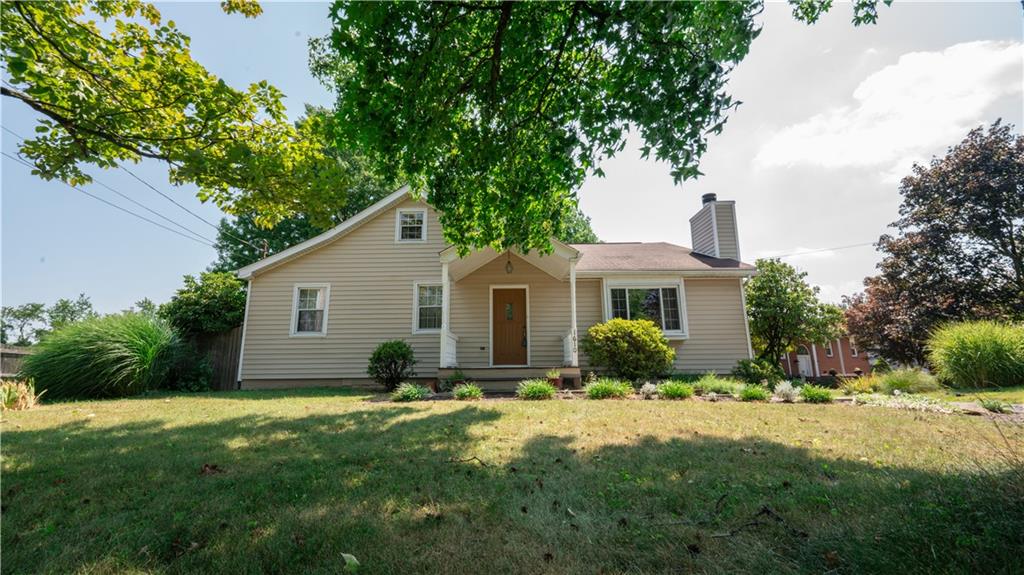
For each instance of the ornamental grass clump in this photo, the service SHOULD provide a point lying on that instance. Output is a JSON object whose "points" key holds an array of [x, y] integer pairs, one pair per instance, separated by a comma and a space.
{"points": [[607, 388], [18, 394], [112, 356], [467, 392], [786, 392], [711, 383], [755, 393], [675, 390], [533, 389], [908, 381], [815, 394], [410, 392], [978, 354]]}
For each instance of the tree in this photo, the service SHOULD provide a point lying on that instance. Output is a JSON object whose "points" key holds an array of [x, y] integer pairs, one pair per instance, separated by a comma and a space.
{"points": [[244, 239], [959, 252], [213, 303], [497, 111], [129, 90], [21, 320], [575, 228], [783, 310], [66, 311]]}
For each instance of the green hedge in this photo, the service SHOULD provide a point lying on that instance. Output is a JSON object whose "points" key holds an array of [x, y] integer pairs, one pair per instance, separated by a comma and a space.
{"points": [[631, 349]]}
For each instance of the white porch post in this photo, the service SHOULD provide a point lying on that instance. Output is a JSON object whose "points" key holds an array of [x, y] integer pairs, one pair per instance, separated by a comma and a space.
{"points": [[445, 300], [572, 314]]}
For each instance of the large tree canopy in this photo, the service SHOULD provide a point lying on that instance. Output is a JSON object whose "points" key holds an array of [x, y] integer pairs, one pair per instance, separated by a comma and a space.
{"points": [[959, 251], [497, 111], [130, 89]]}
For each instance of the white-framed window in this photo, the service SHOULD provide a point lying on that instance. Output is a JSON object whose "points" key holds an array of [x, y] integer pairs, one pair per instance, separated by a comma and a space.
{"points": [[427, 304], [828, 349], [853, 349], [662, 303], [411, 225], [309, 309]]}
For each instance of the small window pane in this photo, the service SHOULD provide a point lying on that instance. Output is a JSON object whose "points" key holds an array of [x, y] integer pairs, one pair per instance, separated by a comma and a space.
{"points": [[311, 320], [619, 307], [428, 307], [645, 304], [430, 318], [508, 312], [411, 225]]}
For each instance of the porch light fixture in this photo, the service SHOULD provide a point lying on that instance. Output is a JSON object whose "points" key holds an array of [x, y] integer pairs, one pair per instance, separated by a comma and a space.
{"points": [[508, 264]]}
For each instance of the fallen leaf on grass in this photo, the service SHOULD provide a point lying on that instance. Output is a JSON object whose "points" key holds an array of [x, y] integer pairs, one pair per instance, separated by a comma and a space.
{"points": [[210, 469]]}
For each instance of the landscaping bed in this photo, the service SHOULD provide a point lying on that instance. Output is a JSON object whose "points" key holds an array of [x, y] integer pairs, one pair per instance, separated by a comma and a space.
{"points": [[288, 481]]}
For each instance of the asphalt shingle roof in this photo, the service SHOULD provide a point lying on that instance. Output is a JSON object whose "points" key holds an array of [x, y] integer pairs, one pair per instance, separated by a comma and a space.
{"points": [[657, 256]]}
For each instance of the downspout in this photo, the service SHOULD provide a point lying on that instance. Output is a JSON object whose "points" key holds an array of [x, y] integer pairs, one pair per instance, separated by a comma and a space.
{"points": [[245, 326]]}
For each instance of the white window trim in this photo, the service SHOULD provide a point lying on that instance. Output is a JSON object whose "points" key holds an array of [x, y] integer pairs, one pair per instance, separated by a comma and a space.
{"points": [[829, 349], [854, 352], [398, 225], [416, 306], [639, 283], [292, 329]]}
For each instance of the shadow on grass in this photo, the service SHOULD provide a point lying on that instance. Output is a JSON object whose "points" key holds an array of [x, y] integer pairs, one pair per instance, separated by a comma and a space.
{"points": [[408, 489]]}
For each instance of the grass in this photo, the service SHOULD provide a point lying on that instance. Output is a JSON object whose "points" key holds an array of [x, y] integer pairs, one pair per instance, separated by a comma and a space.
{"points": [[535, 389], [711, 383], [606, 388], [288, 481], [1008, 394]]}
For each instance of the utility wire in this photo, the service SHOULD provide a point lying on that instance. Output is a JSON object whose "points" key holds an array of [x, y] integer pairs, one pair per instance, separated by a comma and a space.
{"points": [[195, 215], [113, 205], [823, 250], [130, 199]]}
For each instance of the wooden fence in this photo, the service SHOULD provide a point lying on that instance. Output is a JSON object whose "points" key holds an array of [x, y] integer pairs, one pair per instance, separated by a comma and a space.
{"points": [[10, 360], [223, 351]]}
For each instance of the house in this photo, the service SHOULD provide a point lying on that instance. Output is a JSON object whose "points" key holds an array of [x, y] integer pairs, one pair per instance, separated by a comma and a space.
{"points": [[812, 360], [316, 311]]}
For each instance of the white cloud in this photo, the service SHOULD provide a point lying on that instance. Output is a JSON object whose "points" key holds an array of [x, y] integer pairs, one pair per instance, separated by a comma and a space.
{"points": [[904, 112]]}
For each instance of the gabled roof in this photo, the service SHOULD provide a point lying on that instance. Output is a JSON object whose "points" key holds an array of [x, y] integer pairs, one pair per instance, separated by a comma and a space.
{"points": [[654, 257], [330, 235]]}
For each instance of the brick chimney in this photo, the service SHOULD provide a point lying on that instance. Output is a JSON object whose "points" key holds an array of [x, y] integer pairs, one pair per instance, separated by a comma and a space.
{"points": [[713, 229]]}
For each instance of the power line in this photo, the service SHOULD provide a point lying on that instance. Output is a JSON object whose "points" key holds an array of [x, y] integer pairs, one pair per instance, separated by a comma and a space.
{"points": [[195, 215], [824, 250], [113, 205], [129, 198]]}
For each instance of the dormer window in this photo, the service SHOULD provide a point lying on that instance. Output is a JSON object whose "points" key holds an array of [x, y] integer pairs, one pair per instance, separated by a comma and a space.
{"points": [[411, 226]]}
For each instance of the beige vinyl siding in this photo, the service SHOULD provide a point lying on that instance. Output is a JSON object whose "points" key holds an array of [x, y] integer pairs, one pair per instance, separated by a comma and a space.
{"points": [[371, 300], [714, 309], [548, 318], [718, 334], [702, 233], [728, 241]]}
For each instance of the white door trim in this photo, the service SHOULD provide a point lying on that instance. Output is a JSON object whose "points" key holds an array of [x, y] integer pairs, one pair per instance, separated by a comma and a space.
{"points": [[490, 323]]}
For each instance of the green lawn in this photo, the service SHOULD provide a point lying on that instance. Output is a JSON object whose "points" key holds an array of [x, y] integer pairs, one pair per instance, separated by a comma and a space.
{"points": [[503, 487], [1007, 394]]}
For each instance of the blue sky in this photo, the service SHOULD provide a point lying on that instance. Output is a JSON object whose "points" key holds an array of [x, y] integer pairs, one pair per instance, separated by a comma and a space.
{"points": [[832, 116]]}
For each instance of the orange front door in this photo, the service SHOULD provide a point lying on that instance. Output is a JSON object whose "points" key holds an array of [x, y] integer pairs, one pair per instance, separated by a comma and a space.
{"points": [[508, 315]]}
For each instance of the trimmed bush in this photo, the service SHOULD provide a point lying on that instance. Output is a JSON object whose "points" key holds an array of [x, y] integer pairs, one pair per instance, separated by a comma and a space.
{"points": [[535, 389], [18, 394], [712, 383], [112, 356], [815, 394], [467, 391], [978, 354], [785, 391], [631, 349], [908, 381], [758, 371], [675, 390], [410, 392], [606, 388], [391, 363], [755, 393]]}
